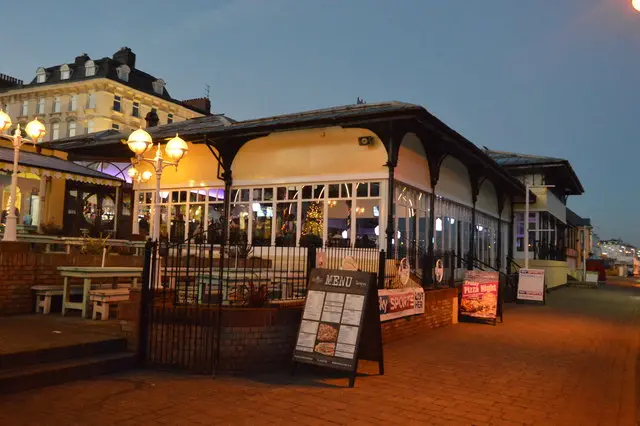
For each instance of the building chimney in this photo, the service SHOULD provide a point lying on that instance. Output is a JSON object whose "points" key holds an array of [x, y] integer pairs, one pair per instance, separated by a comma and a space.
{"points": [[201, 104], [80, 60], [152, 118], [125, 56]]}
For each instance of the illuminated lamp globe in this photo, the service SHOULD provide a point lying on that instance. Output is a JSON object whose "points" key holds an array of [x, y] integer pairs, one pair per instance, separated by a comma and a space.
{"points": [[176, 148], [35, 129], [133, 172], [139, 141], [636, 4], [5, 121], [146, 175]]}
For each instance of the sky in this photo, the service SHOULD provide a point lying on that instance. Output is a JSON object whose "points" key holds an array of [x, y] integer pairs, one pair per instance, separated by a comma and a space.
{"points": [[556, 78]]}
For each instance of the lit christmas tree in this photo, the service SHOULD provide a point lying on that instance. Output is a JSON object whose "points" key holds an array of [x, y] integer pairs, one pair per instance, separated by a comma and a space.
{"points": [[312, 226], [313, 220]]}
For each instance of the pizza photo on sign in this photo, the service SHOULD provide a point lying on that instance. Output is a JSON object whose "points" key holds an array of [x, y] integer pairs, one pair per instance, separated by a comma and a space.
{"points": [[326, 348], [327, 333]]}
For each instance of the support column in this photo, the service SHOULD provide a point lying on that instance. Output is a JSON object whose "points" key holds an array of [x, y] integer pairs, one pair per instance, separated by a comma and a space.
{"points": [[472, 238], [427, 278], [500, 209], [135, 225], [510, 246], [42, 196], [391, 211], [118, 210]]}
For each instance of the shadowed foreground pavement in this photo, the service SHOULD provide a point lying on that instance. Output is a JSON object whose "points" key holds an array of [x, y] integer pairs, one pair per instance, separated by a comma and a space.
{"points": [[571, 362]]}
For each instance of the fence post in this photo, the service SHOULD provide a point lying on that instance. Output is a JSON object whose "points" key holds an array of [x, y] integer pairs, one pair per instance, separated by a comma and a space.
{"points": [[311, 260], [427, 270], [145, 296], [382, 260], [452, 269]]}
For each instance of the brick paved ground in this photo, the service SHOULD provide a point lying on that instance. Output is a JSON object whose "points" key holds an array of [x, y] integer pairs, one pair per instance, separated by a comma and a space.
{"points": [[572, 362]]}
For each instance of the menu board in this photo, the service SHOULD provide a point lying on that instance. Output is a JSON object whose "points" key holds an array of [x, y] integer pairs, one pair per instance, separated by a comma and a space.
{"points": [[531, 284], [480, 295], [333, 318]]}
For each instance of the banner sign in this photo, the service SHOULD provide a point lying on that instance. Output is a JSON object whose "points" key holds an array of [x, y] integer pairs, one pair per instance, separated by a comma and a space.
{"points": [[531, 285], [480, 295], [400, 303]]}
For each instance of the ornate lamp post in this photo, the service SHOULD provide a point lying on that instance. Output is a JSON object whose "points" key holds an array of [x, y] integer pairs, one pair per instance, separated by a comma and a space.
{"points": [[140, 142], [35, 130]]}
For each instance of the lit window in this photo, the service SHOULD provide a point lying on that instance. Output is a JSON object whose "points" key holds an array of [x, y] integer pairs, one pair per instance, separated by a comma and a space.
{"points": [[65, 72], [135, 111], [115, 126], [89, 68], [41, 75], [55, 131], [56, 104], [117, 103], [41, 106], [72, 103], [90, 126], [169, 118], [123, 72], [71, 128], [25, 107], [92, 101]]}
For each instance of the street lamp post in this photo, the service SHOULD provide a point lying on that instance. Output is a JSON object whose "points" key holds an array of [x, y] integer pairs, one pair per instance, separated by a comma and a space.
{"points": [[35, 130], [140, 142], [526, 220]]}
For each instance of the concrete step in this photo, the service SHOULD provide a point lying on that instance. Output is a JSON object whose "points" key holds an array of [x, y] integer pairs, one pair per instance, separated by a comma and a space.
{"points": [[51, 373], [61, 353]]}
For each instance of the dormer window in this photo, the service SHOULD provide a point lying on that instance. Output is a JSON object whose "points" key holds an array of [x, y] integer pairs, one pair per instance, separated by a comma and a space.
{"points": [[158, 86], [65, 72], [89, 68], [123, 72], [41, 75]]}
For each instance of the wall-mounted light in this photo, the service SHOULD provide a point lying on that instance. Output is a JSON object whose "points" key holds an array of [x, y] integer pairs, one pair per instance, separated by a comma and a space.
{"points": [[365, 140]]}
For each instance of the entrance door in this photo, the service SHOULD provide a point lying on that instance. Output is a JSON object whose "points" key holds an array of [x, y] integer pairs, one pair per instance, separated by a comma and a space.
{"points": [[98, 212]]}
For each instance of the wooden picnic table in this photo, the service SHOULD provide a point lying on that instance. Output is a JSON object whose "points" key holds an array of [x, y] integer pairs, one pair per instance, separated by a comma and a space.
{"points": [[87, 273]]}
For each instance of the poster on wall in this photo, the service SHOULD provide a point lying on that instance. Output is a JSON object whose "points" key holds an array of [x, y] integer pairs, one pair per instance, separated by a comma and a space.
{"points": [[479, 298], [531, 285], [340, 317], [398, 303]]}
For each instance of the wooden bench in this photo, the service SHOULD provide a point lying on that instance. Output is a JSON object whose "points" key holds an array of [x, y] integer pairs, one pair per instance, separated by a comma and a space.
{"points": [[103, 298], [44, 294]]}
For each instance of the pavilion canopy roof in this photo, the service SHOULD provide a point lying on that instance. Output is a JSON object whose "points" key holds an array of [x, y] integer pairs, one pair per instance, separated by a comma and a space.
{"points": [[218, 129]]}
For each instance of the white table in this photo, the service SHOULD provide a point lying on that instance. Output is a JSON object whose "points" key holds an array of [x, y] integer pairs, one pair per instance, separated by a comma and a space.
{"points": [[87, 273]]}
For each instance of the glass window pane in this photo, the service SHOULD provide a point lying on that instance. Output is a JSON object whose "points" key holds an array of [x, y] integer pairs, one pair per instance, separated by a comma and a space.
{"points": [[362, 189], [178, 221], [334, 190], [286, 221], [312, 224], [193, 196], [126, 204], [346, 190], [235, 195], [292, 193], [239, 223], [215, 222], [141, 197], [281, 193], [307, 192], [257, 194], [183, 196], [196, 214], [262, 219], [374, 189], [244, 195], [215, 194], [144, 218], [175, 196], [268, 194], [318, 191], [339, 224], [164, 197], [367, 229], [148, 197], [90, 208]]}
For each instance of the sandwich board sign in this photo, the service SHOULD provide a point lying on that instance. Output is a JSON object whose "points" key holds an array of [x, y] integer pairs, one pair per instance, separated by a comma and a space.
{"points": [[340, 322], [531, 285]]}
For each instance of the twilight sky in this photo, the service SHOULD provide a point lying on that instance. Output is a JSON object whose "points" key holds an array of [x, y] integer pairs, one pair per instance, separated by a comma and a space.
{"points": [[547, 77]]}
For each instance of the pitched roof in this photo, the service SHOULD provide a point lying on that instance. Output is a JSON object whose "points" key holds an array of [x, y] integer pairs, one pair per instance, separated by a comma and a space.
{"points": [[575, 220], [219, 127], [106, 68], [33, 159], [558, 170]]}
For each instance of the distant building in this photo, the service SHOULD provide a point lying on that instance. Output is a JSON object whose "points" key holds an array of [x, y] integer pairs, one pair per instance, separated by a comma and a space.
{"points": [[92, 95]]}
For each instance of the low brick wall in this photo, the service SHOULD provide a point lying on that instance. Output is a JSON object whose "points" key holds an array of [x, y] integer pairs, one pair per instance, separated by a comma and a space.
{"points": [[21, 268], [440, 310], [253, 340]]}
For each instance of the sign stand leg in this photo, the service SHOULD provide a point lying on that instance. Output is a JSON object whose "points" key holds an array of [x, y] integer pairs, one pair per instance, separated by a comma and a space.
{"points": [[352, 378]]}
